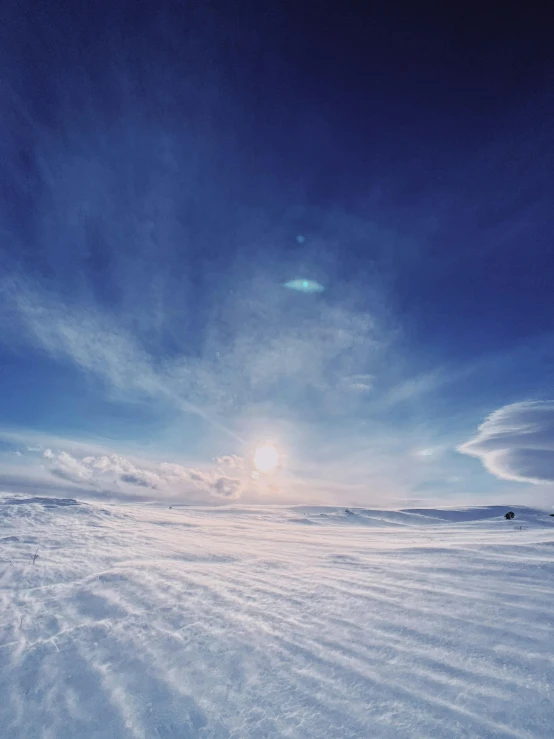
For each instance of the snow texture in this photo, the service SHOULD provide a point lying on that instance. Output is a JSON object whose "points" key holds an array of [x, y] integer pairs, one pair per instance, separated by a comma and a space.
{"points": [[140, 621]]}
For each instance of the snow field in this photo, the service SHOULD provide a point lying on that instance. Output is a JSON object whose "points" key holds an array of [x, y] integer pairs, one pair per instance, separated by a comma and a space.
{"points": [[140, 621]]}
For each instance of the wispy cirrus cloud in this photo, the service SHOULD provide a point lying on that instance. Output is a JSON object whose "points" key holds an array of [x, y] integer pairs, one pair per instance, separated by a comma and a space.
{"points": [[87, 337], [259, 351], [416, 386], [112, 285], [516, 442], [360, 383]]}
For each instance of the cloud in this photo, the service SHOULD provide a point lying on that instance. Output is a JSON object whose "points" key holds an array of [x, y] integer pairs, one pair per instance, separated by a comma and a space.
{"points": [[231, 460], [214, 482], [433, 452], [257, 349], [112, 287], [93, 470], [516, 442], [89, 338], [135, 480], [220, 486], [361, 383], [415, 387], [116, 472]]}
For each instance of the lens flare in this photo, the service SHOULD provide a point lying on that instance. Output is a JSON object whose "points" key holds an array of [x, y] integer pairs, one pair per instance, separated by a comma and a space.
{"points": [[305, 286]]}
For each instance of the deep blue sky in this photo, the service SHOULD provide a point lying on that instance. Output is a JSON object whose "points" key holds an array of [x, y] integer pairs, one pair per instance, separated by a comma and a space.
{"points": [[168, 168]]}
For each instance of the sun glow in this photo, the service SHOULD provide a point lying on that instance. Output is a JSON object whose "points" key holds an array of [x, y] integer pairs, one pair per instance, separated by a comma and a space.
{"points": [[266, 458]]}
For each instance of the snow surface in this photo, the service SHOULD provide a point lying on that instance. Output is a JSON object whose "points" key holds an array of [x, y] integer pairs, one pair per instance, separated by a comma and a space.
{"points": [[141, 621]]}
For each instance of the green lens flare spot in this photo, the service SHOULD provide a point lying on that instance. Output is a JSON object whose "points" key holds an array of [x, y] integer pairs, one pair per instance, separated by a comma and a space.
{"points": [[305, 286]]}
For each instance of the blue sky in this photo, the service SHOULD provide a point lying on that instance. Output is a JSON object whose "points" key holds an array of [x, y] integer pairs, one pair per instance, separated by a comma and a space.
{"points": [[166, 174]]}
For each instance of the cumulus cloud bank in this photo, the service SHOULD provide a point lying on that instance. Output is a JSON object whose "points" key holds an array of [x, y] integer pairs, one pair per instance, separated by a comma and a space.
{"points": [[116, 472], [231, 460], [516, 442]]}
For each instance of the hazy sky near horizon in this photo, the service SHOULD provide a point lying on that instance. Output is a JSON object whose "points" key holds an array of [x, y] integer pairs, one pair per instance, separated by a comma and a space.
{"points": [[229, 225]]}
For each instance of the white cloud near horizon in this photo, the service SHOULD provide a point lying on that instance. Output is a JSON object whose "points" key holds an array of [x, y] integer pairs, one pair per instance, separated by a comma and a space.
{"points": [[117, 473], [516, 442], [232, 461]]}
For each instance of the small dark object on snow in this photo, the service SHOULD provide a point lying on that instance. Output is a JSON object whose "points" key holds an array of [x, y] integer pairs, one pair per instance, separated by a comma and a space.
{"points": [[510, 514], [551, 514], [170, 507], [347, 510]]}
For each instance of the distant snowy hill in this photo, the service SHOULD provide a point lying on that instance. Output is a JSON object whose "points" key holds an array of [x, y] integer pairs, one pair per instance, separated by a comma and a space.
{"points": [[302, 622]]}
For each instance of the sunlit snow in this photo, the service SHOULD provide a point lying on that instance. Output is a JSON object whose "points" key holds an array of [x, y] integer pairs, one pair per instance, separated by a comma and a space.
{"points": [[147, 622]]}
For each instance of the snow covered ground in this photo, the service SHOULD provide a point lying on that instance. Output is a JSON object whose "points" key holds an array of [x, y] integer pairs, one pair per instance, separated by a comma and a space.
{"points": [[141, 621]]}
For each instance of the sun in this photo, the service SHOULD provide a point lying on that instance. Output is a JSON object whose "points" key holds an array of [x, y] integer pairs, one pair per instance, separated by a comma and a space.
{"points": [[266, 458]]}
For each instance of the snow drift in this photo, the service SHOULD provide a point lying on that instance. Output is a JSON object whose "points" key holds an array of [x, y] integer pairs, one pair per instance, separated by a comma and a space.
{"points": [[140, 621]]}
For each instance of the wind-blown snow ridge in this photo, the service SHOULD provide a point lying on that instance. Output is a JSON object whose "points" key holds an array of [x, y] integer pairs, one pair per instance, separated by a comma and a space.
{"points": [[246, 622]]}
